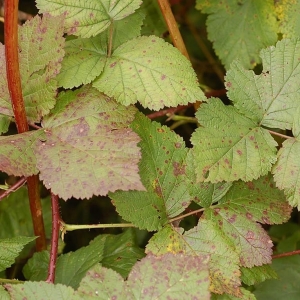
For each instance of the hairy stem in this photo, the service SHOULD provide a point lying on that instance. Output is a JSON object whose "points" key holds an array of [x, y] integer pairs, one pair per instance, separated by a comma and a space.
{"points": [[54, 238], [172, 26], [15, 90], [13, 188]]}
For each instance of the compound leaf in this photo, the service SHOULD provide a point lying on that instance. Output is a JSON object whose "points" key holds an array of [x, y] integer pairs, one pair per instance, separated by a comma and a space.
{"points": [[88, 149], [163, 174], [230, 146], [88, 18], [271, 98], [151, 71], [235, 28], [10, 248], [86, 57]]}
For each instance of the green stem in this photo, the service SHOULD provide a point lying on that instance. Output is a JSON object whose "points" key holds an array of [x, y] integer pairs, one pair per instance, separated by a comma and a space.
{"points": [[15, 90], [183, 118], [12, 281]]}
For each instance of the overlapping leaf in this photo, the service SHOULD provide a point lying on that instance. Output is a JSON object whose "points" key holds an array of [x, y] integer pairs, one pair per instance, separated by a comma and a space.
{"points": [[151, 71], [119, 252], [235, 28], [85, 58], [287, 168], [88, 18], [163, 174], [254, 275], [88, 147], [41, 45], [10, 248], [287, 13], [271, 98], [230, 146]]}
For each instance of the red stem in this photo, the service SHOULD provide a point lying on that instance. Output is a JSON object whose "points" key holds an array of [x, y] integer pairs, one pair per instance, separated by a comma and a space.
{"points": [[15, 90], [13, 188], [296, 252], [54, 238]]}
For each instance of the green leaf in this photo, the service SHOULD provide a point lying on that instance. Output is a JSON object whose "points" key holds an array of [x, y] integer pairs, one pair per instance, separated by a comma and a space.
{"points": [[271, 98], [245, 295], [204, 193], [163, 174], [154, 23], [16, 153], [83, 62], [41, 45], [287, 171], [103, 283], [18, 221], [4, 294], [254, 275], [116, 251], [120, 252], [286, 286], [208, 238], [230, 146], [151, 71], [251, 242], [168, 239], [289, 24], [170, 277], [10, 248], [258, 201], [88, 18], [4, 122], [40, 290], [86, 57], [235, 28], [88, 149]]}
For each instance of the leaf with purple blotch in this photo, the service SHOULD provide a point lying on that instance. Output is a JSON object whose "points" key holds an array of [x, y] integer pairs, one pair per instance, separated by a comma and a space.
{"points": [[16, 153], [88, 148], [259, 201]]}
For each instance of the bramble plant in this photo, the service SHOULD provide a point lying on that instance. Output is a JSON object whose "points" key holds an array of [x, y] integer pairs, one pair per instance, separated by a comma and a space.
{"points": [[82, 75]]}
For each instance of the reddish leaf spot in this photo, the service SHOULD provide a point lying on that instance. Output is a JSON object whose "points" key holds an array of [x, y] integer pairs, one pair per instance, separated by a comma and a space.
{"points": [[177, 145], [232, 219], [113, 64], [239, 152], [228, 84], [178, 169], [249, 216], [250, 185], [163, 77]]}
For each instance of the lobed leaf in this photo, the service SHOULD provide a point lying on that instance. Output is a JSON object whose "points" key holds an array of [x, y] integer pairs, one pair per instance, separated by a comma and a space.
{"points": [[163, 174], [88, 149], [88, 18], [41, 51], [86, 57], [230, 146], [151, 71], [271, 98], [10, 248], [235, 28]]}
